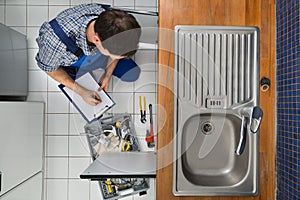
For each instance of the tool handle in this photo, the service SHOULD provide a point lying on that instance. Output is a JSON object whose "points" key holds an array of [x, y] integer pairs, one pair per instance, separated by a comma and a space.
{"points": [[140, 101], [151, 117], [145, 104]]}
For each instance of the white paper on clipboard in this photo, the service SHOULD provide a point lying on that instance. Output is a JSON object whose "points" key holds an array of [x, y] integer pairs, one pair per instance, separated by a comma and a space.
{"points": [[89, 112]]}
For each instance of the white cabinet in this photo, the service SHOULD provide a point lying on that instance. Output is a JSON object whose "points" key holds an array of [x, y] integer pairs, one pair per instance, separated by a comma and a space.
{"points": [[29, 190], [21, 144]]}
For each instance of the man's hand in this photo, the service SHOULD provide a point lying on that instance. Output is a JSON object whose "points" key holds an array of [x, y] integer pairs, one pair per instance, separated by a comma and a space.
{"points": [[105, 78], [104, 82], [90, 97]]}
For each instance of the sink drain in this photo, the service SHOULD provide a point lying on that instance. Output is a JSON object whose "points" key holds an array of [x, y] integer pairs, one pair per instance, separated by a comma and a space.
{"points": [[207, 128]]}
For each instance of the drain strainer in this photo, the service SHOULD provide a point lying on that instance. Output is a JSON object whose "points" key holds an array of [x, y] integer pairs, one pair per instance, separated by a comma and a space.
{"points": [[207, 128]]}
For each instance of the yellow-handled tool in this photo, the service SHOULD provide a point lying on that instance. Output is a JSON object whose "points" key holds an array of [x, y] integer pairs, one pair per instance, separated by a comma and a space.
{"points": [[143, 111]]}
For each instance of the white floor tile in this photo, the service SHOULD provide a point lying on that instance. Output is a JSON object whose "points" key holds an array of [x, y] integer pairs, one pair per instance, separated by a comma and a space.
{"points": [[15, 15], [57, 167], [95, 193], [124, 102], [57, 189], [79, 146], [77, 166], [146, 82], [57, 103], [33, 12], [37, 81], [78, 189], [57, 146], [77, 123], [58, 124]]}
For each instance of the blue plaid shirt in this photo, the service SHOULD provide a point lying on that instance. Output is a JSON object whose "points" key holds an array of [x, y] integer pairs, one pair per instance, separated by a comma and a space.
{"points": [[52, 52]]}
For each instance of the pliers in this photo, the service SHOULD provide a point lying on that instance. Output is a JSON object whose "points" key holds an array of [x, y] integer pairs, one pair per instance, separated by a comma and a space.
{"points": [[126, 146], [143, 112]]}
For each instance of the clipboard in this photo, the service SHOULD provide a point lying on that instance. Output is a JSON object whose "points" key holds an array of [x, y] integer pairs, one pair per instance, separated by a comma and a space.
{"points": [[89, 113]]}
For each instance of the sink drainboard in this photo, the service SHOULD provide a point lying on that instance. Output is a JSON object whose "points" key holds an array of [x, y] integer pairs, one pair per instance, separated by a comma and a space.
{"points": [[215, 81]]}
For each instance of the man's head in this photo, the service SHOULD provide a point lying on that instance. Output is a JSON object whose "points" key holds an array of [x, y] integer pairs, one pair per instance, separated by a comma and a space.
{"points": [[119, 32]]}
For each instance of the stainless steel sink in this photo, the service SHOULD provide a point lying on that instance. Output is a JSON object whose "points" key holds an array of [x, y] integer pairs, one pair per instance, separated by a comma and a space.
{"points": [[216, 111], [213, 144]]}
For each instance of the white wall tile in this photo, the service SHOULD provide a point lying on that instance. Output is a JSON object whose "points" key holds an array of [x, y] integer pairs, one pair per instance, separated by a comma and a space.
{"points": [[146, 82], [121, 86], [58, 124], [109, 2], [2, 2], [52, 85], [152, 9], [77, 123], [16, 2], [79, 146], [124, 102], [55, 10], [95, 193], [149, 67], [57, 168], [146, 59], [32, 65], [35, 2], [78, 189], [145, 3], [37, 81], [57, 103], [32, 34], [77, 166], [2, 14], [58, 2], [36, 15], [57, 189], [124, 3], [73, 109], [15, 15], [57, 146], [77, 2]]}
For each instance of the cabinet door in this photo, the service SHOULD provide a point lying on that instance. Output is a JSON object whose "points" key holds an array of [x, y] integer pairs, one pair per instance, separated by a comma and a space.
{"points": [[29, 190], [122, 165], [21, 142]]}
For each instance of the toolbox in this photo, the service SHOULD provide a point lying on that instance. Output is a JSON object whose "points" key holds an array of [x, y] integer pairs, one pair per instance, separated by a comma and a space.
{"points": [[119, 166]]}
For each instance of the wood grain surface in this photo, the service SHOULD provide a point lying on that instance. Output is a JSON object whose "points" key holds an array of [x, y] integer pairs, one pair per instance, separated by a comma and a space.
{"points": [[259, 13]]}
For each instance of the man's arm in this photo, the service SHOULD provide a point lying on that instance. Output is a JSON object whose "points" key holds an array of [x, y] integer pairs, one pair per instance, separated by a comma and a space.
{"points": [[105, 78], [91, 97]]}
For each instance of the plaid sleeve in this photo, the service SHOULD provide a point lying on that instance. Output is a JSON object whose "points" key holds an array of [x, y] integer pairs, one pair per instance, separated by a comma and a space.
{"points": [[52, 52]]}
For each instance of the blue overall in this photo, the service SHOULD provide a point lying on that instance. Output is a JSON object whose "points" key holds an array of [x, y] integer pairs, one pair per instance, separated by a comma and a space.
{"points": [[126, 69]]}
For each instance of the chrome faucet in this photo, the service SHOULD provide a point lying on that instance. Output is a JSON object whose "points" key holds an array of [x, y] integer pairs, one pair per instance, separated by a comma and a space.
{"points": [[253, 115]]}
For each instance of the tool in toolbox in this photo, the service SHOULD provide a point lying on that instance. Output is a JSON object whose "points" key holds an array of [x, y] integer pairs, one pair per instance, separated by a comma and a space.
{"points": [[143, 112], [150, 134]]}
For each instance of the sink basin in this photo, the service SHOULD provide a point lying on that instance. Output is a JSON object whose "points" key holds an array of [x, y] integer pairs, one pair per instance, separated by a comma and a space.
{"points": [[216, 112], [208, 143]]}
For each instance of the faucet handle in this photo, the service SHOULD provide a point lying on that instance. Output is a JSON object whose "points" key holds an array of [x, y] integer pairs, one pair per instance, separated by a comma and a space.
{"points": [[255, 119]]}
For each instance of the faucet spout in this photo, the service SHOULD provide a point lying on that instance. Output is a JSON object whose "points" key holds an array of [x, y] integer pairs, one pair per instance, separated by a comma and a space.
{"points": [[243, 136], [254, 115]]}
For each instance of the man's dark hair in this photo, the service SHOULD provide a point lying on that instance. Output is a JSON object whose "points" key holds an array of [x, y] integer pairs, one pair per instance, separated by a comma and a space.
{"points": [[119, 32]]}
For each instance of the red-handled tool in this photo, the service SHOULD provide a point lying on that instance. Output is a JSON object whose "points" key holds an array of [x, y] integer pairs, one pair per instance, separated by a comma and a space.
{"points": [[150, 134]]}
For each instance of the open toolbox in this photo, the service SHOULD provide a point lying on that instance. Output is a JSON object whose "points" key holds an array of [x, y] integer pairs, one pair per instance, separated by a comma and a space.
{"points": [[119, 166]]}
